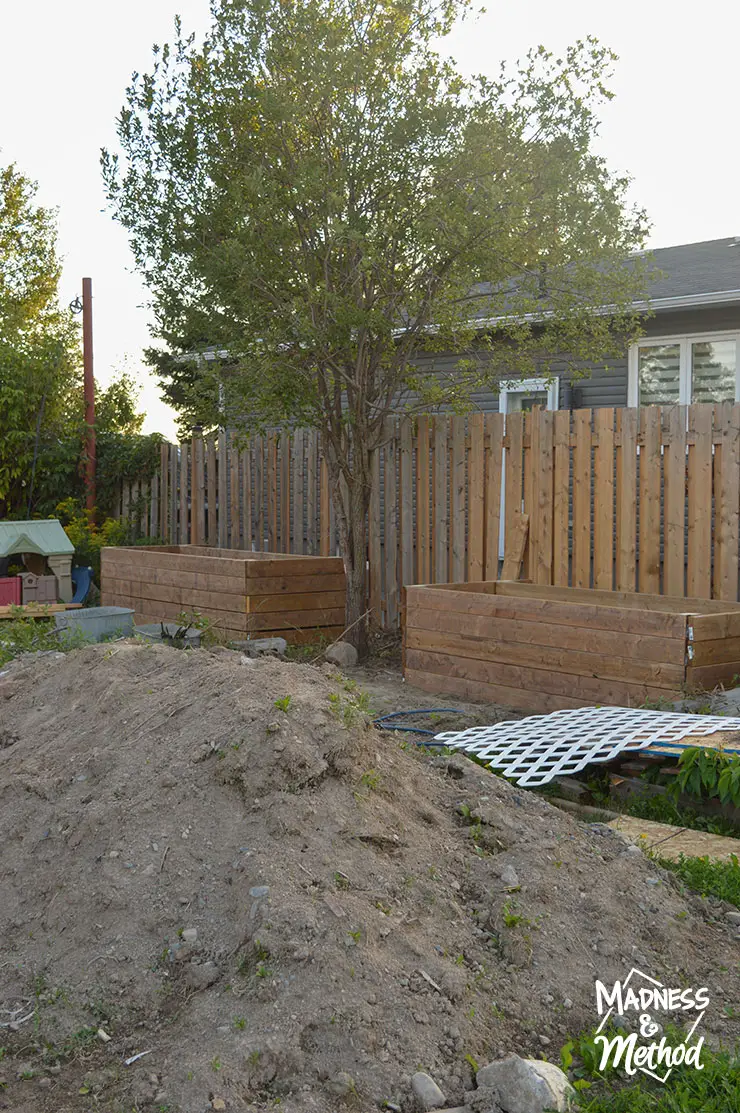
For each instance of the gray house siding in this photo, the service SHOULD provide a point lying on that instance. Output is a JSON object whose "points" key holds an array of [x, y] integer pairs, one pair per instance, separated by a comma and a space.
{"points": [[596, 386]]}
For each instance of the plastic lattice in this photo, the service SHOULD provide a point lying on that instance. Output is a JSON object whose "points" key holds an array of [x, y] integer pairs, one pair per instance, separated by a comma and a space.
{"points": [[534, 750]]}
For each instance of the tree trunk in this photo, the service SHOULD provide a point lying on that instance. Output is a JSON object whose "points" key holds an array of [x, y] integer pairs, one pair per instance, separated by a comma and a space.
{"points": [[351, 503]]}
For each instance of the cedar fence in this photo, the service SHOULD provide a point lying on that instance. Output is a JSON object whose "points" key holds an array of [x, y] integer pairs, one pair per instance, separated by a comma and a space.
{"points": [[631, 500]]}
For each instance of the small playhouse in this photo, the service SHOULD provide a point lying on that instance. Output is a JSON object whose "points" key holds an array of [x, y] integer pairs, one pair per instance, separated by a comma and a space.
{"points": [[43, 550]]}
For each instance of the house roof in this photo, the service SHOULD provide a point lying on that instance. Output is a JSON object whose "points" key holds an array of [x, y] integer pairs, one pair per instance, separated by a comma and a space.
{"points": [[705, 273]]}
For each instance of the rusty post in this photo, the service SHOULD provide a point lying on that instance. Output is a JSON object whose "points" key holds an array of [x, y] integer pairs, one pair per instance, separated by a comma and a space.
{"points": [[87, 352]]}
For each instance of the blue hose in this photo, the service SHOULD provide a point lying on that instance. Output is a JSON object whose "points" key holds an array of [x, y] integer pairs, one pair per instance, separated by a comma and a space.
{"points": [[382, 721]]}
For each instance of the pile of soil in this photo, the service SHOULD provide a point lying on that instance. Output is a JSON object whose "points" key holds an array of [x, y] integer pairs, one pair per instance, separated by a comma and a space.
{"points": [[279, 902]]}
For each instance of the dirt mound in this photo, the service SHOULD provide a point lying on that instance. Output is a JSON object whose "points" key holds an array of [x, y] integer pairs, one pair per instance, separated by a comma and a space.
{"points": [[276, 901]]}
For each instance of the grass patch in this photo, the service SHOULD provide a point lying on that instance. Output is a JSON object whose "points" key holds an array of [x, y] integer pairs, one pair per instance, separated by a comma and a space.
{"points": [[711, 879], [714, 1089], [27, 635]]}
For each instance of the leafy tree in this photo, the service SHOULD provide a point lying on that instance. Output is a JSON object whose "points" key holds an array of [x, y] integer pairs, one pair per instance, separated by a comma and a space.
{"points": [[316, 191], [39, 356]]}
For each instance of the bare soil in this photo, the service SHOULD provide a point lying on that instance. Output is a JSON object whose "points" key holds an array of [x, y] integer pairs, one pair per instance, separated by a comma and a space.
{"points": [[284, 904]]}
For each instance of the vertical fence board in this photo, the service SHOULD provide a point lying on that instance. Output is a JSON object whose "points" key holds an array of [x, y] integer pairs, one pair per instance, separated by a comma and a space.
{"points": [[561, 499], [406, 503], [699, 467], [184, 533], [513, 495], [299, 501], [164, 492], [457, 497], [312, 465], [234, 504], [541, 552], [674, 501], [324, 506], [199, 494], [222, 484], [374, 538], [582, 499], [272, 492], [285, 444], [390, 508], [246, 466], [211, 492], [648, 566], [726, 497], [494, 426], [476, 497], [440, 523], [259, 493], [604, 499], [627, 499], [173, 534], [423, 539]]}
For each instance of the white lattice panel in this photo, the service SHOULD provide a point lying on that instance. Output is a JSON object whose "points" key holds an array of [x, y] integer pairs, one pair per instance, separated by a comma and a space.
{"points": [[534, 750]]}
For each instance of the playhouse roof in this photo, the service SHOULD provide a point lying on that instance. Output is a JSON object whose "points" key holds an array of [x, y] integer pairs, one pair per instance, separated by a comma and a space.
{"points": [[43, 536]]}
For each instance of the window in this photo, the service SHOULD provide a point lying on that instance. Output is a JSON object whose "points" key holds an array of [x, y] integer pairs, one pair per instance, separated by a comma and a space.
{"points": [[684, 369]]}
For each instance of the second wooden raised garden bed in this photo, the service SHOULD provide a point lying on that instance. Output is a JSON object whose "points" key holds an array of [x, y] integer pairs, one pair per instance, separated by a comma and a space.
{"points": [[243, 594], [541, 649]]}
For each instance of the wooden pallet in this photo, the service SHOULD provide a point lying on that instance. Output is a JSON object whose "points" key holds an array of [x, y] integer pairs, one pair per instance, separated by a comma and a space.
{"points": [[37, 610]]}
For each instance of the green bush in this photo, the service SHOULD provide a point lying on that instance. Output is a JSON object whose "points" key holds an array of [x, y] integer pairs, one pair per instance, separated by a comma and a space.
{"points": [[715, 879]]}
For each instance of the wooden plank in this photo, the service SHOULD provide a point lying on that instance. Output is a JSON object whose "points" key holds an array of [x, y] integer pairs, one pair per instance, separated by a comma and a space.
{"points": [[151, 556], [516, 544], [476, 690], [699, 466], [164, 491], [374, 547], [713, 627], [299, 601], [390, 536], [200, 482], [293, 566], [184, 534], [494, 431], [299, 500], [168, 577], [272, 492], [312, 473], [631, 621], [259, 491], [635, 600], [552, 658], [406, 502], [716, 652], [314, 634], [457, 497], [235, 541], [513, 475], [501, 629], [439, 502], [154, 507], [294, 584], [727, 504], [530, 452], [36, 610], [285, 454], [538, 680], [648, 564], [626, 571], [476, 497], [188, 598], [296, 620], [674, 502], [423, 517], [223, 494], [604, 498], [173, 531], [211, 492], [324, 505], [246, 470], [709, 676], [561, 499], [542, 463], [582, 499]]}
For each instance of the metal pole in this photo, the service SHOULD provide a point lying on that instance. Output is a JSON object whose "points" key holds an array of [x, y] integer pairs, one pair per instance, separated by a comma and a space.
{"points": [[87, 350]]}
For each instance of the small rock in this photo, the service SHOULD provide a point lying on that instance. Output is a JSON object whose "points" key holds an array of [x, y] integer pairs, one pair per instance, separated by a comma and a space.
{"points": [[273, 728], [526, 1085], [545, 1040], [218, 1103], [342, 654], [426, 1091], [189, 935], [632, 849], [44, 1083], [341, 1085], [261, 647], [201, 975], [259, 891], [567, 1003], [509, 877], [733, 917]]}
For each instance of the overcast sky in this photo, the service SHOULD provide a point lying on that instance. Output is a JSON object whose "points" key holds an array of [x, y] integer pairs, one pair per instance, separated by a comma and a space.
{"points": [[672, 125]]}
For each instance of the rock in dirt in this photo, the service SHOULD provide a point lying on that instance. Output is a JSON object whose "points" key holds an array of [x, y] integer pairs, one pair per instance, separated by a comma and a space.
{"points": [[262, 647], [342, 654], [426, 1091], [515, 1085]]}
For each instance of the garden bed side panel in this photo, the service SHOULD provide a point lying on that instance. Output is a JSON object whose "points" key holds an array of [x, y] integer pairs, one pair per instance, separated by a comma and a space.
{"points": [[162, 583], [715, 649], [296, 598], [537, 653]]}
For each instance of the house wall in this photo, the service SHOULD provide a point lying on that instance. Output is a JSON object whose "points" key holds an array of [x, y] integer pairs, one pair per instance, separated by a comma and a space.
{"points": [[607, 385]]}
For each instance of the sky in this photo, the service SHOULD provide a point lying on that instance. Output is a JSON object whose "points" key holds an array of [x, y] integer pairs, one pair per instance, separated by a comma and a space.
{"points": [[65, 67]]}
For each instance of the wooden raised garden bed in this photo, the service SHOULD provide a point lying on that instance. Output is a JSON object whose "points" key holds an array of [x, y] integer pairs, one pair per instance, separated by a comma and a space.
{"points": [[541, 649], [244, 594]]}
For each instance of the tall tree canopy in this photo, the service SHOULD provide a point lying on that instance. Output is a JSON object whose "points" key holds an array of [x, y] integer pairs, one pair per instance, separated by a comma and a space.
{"points": [[316, 191], [39, 356]]}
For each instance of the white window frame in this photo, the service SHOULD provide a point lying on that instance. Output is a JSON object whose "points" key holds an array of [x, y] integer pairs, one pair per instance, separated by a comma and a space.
{"points": [[529, 385], [684, 374]]}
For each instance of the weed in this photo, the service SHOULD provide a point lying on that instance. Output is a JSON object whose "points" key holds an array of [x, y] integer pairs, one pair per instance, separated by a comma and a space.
{"points": [[240, 1022], [370, 779], [472, 1063], [215, 1063], [341, 880], [513, 918], [283, 704], [717, 879], [355, 936]]}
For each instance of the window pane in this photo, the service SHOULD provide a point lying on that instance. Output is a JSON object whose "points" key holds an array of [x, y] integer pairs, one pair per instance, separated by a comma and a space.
{"points": [[713, 371], [658, 369]]}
